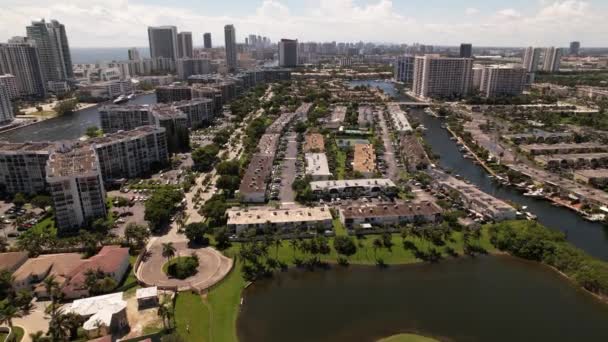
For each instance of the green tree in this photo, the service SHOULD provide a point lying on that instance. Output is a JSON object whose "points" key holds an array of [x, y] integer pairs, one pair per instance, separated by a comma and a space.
{"points": [[93, 132], [98, 282], [228, 183], [204, 158], [137, 236], [65, 107], [42, 201], [6, 284], [215, 210], [19, 200], [195, 232], [161, 206], [228, 167], [344, 245]]}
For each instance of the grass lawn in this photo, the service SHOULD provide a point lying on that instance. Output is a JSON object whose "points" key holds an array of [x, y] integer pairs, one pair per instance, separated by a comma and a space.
{"points": [[191, 312], [18, 333], [129, 283], [216, 315], [407, 338], [340, 164], [224, 301], [366, 255]]}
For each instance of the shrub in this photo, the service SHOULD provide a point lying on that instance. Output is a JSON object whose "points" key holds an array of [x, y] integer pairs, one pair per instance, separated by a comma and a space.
{"points": [[183, 267]]}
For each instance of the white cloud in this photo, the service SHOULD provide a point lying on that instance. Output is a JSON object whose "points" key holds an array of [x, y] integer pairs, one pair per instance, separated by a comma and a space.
{"points": [[471, 11], [123, 22]]}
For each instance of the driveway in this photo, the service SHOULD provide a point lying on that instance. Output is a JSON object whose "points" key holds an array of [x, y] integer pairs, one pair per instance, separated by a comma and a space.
{"points": [[37, 320], [389, 151], [288, 175], [213, 267]]}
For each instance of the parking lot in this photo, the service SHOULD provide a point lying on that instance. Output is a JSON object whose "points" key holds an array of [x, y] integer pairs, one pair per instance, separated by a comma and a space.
{"points": [[17, 220], [288, 174]]}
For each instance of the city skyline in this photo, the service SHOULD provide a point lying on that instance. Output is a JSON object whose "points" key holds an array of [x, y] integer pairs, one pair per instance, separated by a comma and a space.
{"points": [[437, 22]]}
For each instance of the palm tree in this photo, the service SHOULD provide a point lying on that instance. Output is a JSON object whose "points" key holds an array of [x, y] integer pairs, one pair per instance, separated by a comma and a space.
{"points": [[377, 244], [165, 313], [294, 245], [59, 326], [277, 244], [9, 312], [168, 250]]}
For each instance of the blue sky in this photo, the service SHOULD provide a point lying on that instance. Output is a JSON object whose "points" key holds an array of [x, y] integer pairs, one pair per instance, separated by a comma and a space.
{"points": [[113, 23]]}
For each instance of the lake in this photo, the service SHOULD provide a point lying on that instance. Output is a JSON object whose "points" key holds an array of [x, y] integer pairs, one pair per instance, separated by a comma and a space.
{"points": [[483, 299]]}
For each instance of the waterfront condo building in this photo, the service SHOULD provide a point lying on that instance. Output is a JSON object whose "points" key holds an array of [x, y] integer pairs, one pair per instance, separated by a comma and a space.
{"points": [[163, 42], [502, 80], [288, 53], [134, 54], [6, 109], [76, 186], [124, 118], [436, 76], [231, 53], [404, 70], [10, 84], [23, 166], [19, 57], [131, 154], [531, 59], [184, 45], [552, 59], [53, 48]]}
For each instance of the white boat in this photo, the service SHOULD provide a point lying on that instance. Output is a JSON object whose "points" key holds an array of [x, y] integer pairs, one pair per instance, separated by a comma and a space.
{"points": [[530, 216], [120, 99], [535, 194], [131, 96]]}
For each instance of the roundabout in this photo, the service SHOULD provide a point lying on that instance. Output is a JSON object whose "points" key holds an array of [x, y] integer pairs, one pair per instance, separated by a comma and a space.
{"points": [[213, 267]]}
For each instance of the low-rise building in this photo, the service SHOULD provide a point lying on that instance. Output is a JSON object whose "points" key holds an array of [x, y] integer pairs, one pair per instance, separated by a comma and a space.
{"points": [[267, 146], [279, 125], [364, 161], [32, 273], [23, 166], [338, 115], [563, 148], [317, 167], [478, 201], [314, 143], [76, 186], [365, 117], [354, 188], [539, 136], [11, 261], [147, 297], [573, 161], [413, 153], [398, 118], [104, 314], [595, 177], [113, 261], [290, 219], [131, 154], [254, 182], [383, 214]]}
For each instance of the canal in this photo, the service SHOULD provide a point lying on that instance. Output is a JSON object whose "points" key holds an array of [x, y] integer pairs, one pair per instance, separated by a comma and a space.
{"points": [[588, 236], [483, 299], [66, 127]]}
